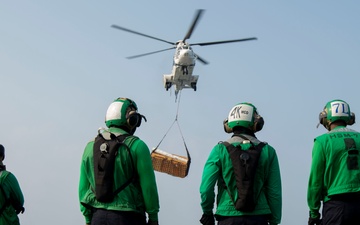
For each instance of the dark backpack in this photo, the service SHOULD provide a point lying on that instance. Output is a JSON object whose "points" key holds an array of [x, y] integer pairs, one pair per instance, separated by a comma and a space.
{"points": [[7, 201], [105, 152], [245, 163]]}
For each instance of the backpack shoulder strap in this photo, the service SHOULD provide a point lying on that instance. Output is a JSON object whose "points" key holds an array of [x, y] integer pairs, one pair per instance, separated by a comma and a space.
{"points": [[129, 138], [258, 147], [122, 138], [227, 144], [230, 148]]}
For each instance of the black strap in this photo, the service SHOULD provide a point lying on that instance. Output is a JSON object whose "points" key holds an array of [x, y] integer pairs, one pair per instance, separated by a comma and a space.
{"points": [[189, 159], [221, 179], [132, 178]]}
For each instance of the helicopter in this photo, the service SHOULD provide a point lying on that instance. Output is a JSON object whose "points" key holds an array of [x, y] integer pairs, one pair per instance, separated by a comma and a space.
{"points": [[184, 58]]}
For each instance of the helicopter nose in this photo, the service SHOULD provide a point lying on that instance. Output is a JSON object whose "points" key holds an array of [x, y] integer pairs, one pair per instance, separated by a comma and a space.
{"points": [[187, 56]]}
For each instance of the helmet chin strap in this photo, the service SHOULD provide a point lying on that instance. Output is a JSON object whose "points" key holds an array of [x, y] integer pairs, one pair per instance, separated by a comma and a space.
{"points": [[132, 131], [328, 127]]}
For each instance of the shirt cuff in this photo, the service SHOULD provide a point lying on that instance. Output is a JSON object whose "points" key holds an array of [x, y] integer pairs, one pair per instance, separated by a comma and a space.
{"points": [[153, 217]]}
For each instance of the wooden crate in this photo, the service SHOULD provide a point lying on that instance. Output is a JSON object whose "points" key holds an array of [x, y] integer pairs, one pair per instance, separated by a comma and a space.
{"points": [[172, 164]]}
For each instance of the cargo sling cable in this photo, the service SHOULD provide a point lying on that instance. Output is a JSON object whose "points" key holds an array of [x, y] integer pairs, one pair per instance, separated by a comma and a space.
{"points": [[177, 122]]}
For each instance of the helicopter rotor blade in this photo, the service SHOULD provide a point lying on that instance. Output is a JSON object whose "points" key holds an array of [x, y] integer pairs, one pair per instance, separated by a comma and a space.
{"points": [[223, 42], [141, 34], [195, 21], [201, 60], [149, 53]]}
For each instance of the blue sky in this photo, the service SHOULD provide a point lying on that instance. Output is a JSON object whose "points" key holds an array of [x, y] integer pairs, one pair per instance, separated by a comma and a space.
{"points": [[61, 65]]}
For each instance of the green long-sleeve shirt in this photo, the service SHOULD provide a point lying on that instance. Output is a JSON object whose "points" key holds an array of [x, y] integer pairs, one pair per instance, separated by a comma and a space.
{"points": [[140, 196], [334, 170], [13, 192], [267, 183]]}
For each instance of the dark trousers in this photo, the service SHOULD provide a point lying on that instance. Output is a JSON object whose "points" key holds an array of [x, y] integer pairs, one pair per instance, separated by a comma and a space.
{"points": [[109, 217], [341, 211], [242, 220]]}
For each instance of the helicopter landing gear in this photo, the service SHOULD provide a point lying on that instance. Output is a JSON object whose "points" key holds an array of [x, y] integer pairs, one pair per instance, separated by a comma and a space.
{"points": [[167, 85], [193, 86]]}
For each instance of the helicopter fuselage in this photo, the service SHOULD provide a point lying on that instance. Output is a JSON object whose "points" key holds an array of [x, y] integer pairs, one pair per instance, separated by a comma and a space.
{"points": [[183, 66]]}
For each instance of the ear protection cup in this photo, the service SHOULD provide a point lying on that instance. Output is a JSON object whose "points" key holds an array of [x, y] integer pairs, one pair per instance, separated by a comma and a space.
{"points": [[323, 118], [227, 129], [352, 119], [258, 123], [133, 119]]}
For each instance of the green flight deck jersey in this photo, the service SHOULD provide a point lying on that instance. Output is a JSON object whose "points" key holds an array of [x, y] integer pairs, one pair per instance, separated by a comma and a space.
{"points": [[11, 188], [335, 167], [140, 196], [267, 185]]}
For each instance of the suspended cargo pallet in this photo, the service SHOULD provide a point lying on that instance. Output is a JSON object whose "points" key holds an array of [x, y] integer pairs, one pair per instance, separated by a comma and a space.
{"points": [[172, 164]]}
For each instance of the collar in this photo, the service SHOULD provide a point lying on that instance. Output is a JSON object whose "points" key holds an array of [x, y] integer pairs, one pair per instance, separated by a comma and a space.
{"points": [[117, 130], [237, 139], [244, 131], [338, 127]]}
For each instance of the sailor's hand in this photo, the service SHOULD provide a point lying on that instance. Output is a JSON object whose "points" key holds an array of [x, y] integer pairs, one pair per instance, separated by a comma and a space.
{"points": [[314, 221], [20, 210], [152, 222], [207, 219]]}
